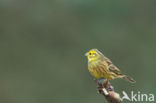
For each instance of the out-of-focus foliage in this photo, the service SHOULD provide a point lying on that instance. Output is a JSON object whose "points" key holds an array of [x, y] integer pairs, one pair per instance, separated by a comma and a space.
{"points": [[42, 46]]}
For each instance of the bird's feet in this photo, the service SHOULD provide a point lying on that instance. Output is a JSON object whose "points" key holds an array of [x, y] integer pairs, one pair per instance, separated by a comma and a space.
{"points": [[104, 83]]}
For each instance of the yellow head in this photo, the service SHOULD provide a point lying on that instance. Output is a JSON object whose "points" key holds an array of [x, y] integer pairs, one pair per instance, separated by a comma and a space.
{"points": [[93, 55]]}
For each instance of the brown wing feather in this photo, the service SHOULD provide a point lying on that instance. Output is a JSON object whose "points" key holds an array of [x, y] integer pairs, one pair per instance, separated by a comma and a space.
{"points": [[111, 66], [107, 60], [114, 69]]}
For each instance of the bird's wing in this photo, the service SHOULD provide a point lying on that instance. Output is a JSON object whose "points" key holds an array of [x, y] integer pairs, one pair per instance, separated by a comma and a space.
{"points": [[107, 60], [114, 69], [111, 66]]}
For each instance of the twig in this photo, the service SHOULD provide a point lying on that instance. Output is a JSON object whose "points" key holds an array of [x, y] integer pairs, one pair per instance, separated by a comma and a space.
{"points": [[106, 90]]}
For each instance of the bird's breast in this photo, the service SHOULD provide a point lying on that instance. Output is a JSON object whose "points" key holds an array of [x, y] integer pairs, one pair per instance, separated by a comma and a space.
{"points": [[98, 70], [95, 70]]}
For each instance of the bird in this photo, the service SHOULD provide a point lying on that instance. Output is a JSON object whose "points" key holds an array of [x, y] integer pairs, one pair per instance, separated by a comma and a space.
{"points": [[101, 68]]}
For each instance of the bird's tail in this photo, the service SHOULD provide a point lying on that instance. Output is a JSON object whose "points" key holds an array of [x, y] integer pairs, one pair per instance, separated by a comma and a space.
{"points": [[129, 79]]}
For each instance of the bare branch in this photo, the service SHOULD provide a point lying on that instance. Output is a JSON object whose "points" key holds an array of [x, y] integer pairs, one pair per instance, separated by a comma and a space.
{"points": [[107, 90]]}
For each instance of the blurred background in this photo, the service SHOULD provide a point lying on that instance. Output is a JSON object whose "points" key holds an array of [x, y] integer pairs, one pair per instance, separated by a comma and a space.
{"points": [[42, 47]]}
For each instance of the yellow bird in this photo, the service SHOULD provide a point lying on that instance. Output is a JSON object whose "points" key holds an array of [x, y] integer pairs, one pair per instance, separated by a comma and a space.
{"points": [[102, 68]]}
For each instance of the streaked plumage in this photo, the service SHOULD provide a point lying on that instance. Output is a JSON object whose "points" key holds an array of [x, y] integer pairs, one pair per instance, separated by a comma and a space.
{"points": [[101, 67]]}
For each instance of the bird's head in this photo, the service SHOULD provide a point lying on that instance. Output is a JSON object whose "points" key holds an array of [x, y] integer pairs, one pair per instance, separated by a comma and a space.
{"points": [[93, 54]]}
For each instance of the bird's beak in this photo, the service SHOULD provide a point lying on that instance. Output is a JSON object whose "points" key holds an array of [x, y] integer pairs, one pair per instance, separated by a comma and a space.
{"points": [[86, 54]]}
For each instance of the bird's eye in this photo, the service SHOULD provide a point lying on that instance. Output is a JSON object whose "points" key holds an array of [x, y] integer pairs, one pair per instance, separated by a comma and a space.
{"points": [[90, 53]]}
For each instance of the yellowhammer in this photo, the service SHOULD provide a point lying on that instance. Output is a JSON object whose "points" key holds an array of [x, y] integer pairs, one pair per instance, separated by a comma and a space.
{"points": [[102, 68]]}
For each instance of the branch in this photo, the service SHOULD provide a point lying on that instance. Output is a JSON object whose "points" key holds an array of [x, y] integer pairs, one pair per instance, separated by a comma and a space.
{"points": [[106, 90]]}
